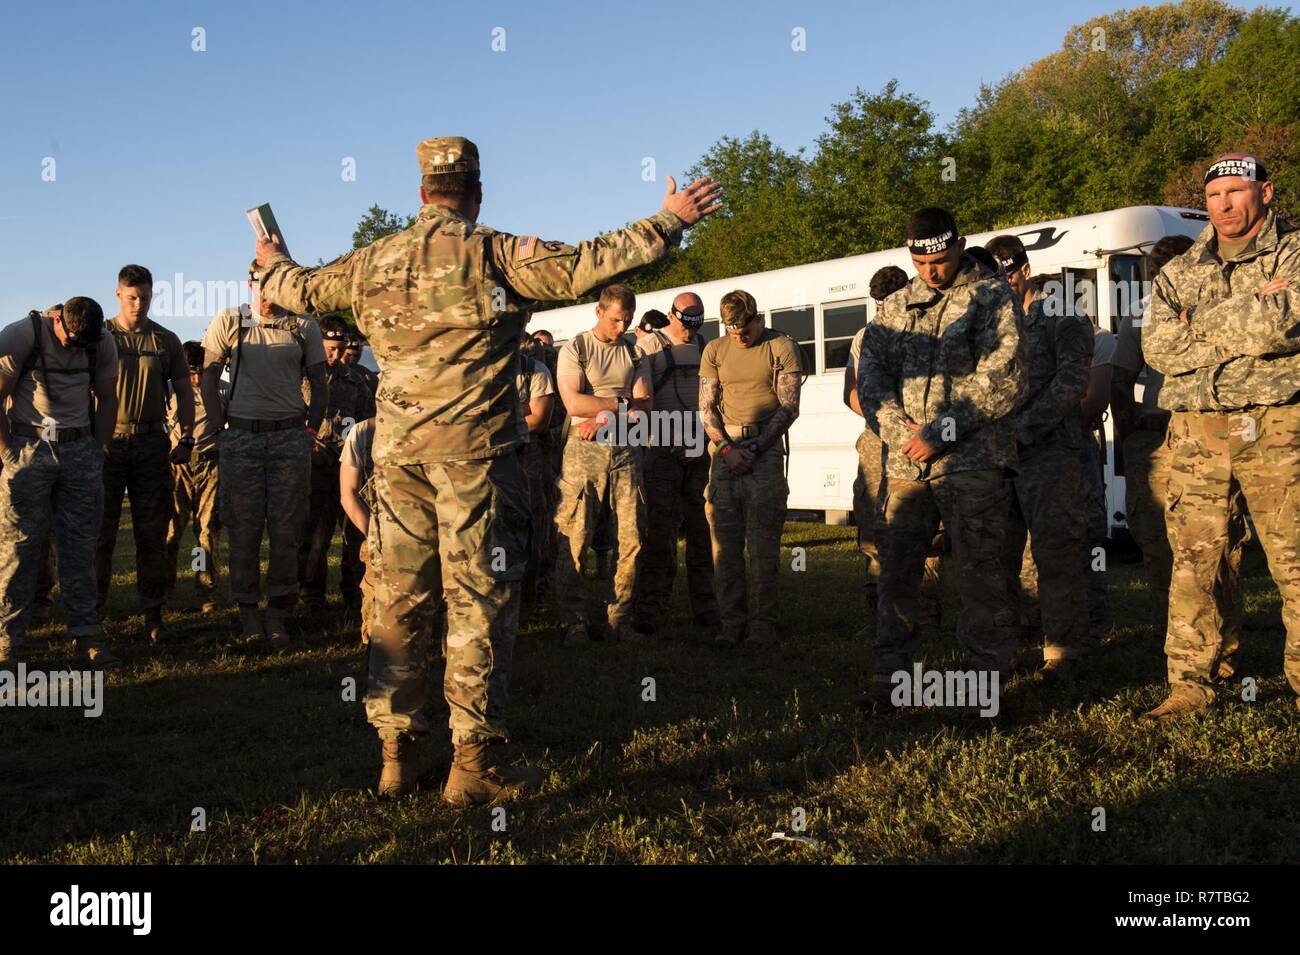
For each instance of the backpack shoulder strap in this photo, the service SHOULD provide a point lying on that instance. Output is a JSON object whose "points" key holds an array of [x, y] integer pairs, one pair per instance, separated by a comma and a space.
{"points": [[36, 357], [236, 359], [670, 360]]}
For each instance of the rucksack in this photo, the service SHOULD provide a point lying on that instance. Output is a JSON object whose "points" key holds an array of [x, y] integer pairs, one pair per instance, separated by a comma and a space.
{"points": [[671, 362], [36, 359], [237, 353]]}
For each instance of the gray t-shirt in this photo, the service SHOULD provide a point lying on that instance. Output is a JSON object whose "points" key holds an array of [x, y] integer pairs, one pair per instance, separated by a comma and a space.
{"points": [[1128, 355], [64, 399], [269, 387]]}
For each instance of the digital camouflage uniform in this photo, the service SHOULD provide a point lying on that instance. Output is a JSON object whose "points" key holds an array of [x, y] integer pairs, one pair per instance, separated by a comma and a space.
{"points": [[541, 491], [195, 505], [674, 490], [138, 463], [1046, 503], [52, 485], [443, 303], [1232, 382], [866, 495], [601, 485], [265, 476], [952, 361], [348, 401]]}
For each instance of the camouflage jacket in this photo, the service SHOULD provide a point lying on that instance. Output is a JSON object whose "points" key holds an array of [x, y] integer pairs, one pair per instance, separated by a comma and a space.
{"points": [[1239, 349], [347, 401], [443, 304], [1059, 353], [951, 360]]}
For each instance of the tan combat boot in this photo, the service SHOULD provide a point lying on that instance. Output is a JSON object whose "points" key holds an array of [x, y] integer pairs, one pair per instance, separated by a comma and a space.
{"points": [[1182, 700], [250, 623], [277, 630], [476, 779], [403, 768]]}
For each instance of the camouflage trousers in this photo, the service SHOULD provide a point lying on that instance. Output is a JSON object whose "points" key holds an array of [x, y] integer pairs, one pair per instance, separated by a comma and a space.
{"points": [[265, 485], [1146, 484], [367, 586], [747, 512], [674, 491], [974, 507], [596, 474], [139, 466], [536, 464], [324, 514], [1045, 508], [57, 487], [458, 529], [866, 496], [1260, 450], [194, 503], [1093, 561]]}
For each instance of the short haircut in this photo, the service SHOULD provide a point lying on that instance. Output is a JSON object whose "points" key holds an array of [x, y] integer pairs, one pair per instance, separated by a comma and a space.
{"points": [[135, 276], [653, 320], [887, 281], [193, 355], [458, 184], [620, 295], [1170, 247], [331, 324], [737, 308], [543, 331], [83, 318], [929, 222], [984, 257], [1009, 251]]}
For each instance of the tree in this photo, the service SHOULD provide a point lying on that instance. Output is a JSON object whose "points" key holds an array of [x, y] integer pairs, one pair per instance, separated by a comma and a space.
{"points": [[377, 223]]}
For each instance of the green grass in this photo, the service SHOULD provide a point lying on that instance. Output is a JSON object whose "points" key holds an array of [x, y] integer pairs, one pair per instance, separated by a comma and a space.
{"points": [[734, 743]]}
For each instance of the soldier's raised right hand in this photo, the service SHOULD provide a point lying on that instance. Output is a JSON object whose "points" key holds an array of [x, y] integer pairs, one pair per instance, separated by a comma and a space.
{"points": [[701, 198]]}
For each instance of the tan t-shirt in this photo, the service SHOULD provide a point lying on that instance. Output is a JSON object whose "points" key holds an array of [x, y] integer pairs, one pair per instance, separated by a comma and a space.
{"points": [[536, 383], [269, 387], [748, 375], [680, 390], [205, 436], [65, 398], [357, 447], [611, 367], [146, 362]]}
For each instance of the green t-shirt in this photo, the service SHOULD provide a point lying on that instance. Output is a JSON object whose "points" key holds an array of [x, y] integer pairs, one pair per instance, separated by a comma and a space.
{"points": [[748, 375]]}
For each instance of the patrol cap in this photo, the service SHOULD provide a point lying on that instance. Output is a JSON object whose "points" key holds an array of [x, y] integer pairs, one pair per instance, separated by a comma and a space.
{"points": [[447, 154]]}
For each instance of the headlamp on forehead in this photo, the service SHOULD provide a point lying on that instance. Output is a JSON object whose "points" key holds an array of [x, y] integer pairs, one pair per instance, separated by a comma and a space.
{"points": [[1248, 168], [353, 345], [333, 336]]}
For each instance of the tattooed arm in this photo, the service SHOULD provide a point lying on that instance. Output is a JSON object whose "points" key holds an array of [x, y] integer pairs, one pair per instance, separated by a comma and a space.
{"points": [[788, 385], [710, 417]]}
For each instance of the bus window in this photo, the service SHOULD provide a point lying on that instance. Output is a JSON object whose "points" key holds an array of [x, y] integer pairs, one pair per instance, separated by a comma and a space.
{"points": [[800, 324], [840, 322], [1126, 287], [1080, 287]]}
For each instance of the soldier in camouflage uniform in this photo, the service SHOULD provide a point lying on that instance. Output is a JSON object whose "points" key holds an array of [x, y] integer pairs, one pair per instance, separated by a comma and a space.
{"points": [[750, 382], [266, 450], [1143, 432], [941, 371], [674, 479], [1221, 326], [868, 481], [536, 401], [1045, 497], [451, 500], [347, 401], [551, 444], [352, 356], [151, 365], [602, 377], [194, 492], [55, 367]]}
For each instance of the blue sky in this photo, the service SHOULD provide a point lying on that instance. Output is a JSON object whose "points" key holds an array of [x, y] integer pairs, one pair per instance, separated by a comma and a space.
{"points": [[158, 149]]}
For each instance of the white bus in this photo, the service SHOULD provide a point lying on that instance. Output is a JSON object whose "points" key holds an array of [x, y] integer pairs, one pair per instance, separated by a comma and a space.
{"points": [[823, 304]]}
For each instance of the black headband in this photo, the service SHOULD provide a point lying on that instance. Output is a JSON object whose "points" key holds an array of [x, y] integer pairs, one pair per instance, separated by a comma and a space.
{"points": [[929, 245], [1251, 169], [334, 336], [1015, 262]]}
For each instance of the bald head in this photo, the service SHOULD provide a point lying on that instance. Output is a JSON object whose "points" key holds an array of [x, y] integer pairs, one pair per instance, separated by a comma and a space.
{"points": [[1237, 196], [685, 317]]}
